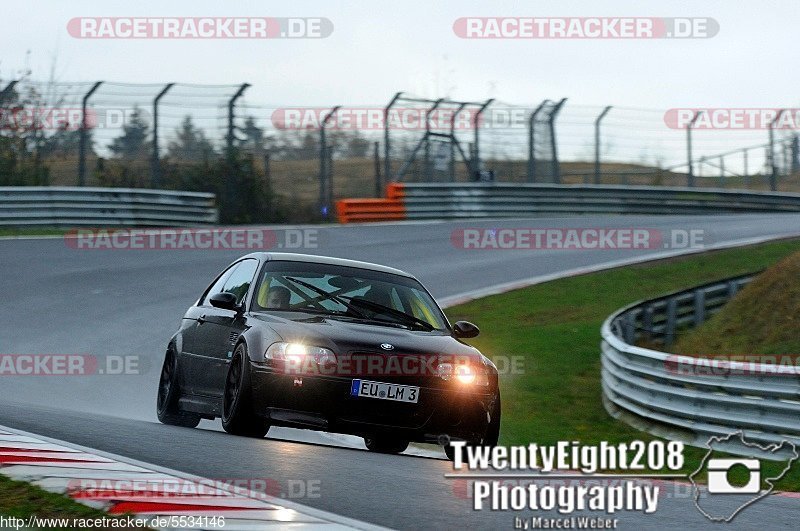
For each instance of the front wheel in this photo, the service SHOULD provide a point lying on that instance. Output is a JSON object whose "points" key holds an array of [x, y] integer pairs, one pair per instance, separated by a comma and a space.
{"points": [[490, 436], [167, 407], [385, 445], [238, 417]]}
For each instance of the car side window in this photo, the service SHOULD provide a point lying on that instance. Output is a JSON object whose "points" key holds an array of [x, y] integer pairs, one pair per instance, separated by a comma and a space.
{"points": [[216, 287], [239, 280]]}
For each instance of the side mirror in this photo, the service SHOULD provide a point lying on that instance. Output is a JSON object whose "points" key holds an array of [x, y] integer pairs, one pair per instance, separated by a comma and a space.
{"points": [[224, 300], [465, 329]]}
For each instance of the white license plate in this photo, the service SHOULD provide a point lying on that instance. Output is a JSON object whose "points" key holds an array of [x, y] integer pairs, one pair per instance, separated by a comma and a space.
{"points": [[385, 391]]}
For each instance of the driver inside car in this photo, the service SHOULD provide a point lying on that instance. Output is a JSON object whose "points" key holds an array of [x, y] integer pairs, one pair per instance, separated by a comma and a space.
{"points": [[278, 298]]}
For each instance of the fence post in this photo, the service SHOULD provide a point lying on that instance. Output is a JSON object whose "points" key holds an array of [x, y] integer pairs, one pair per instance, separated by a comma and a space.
{"points": [[773, 176], [82, 138], [387, 152], [155, 165], [378, 181], [746, 170], [531, 144], [556, 168], [722, 171], [475, 156], [426, 170], [325, 173], [690, 175], [230, 137], [597, 144], [452, 168]]}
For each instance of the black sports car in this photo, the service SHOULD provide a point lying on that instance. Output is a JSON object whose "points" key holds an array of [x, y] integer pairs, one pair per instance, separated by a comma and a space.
{"points": [[328, 344]]}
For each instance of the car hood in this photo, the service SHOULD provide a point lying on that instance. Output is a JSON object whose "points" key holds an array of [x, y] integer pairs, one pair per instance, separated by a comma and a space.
{"points": [[343, 336]]}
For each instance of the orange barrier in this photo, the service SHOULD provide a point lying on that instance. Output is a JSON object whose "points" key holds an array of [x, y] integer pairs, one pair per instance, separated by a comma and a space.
{"points": [[395, 191], [359, 210], [356, 210]]}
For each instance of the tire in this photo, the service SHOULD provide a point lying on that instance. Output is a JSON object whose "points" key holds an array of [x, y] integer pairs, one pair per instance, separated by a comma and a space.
{"points": [[238, 417], [385, 445], [167, 407], [491, 435]]}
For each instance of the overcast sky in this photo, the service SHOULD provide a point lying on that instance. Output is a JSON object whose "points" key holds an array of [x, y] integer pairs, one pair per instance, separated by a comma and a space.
{"points": [[378, 48]]}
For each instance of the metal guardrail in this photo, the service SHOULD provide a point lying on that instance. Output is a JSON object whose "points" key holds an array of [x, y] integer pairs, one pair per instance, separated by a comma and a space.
{"points": [[687, 398], [496, 200], [45, 206]]}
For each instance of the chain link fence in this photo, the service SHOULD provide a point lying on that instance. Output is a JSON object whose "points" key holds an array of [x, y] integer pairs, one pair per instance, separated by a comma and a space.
{"points": [[271, 162]]}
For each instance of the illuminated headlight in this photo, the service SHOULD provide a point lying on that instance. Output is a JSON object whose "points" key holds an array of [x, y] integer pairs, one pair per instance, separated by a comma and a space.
{"points": [[464, 373], [298, 353]]}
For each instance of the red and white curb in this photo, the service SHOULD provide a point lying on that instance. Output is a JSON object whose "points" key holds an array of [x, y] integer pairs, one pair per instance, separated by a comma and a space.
{"points": [[118, 485]]}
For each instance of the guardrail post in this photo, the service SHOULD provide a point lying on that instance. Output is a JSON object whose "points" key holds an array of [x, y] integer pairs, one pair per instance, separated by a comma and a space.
{"points": [[387, 151], [531, 144], [722, 171], [647, 322], [82, 138], [155, 164], [733, 288], [669, 326], [773, 176], [629, 327], [556, 165], [699, 307], [690, 175], [597, 144]]}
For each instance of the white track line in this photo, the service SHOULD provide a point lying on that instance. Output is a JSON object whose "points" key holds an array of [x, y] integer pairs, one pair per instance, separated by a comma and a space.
{"points": [[258, 509]]}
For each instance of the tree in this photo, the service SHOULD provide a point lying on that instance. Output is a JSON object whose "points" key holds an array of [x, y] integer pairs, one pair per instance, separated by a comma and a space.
{"points": [[190, 144], [132, 143], [254, 141]]}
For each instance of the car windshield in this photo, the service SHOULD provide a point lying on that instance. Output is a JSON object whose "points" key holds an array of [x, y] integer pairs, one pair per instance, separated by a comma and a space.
{"points": [[347, 292]]}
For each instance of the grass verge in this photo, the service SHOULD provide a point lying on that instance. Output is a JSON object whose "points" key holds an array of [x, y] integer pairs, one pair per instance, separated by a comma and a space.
{"points": [[555, 328], [23, 500]]}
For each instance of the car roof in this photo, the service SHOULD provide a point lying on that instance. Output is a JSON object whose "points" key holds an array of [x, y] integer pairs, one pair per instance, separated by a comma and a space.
{"points": [[317, 259]]}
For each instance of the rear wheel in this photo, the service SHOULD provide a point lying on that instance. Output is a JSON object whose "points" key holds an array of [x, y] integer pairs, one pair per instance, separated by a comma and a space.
{"points": [[167, 407], [385, 445], [490, 437], [238, 417]]}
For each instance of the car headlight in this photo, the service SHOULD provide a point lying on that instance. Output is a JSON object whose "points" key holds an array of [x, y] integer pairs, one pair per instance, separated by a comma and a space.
{"points": [[465, 373], [298, 355]]}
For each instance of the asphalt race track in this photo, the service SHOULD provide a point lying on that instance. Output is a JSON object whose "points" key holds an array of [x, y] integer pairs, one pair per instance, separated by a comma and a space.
{"points": [[128, 303]]}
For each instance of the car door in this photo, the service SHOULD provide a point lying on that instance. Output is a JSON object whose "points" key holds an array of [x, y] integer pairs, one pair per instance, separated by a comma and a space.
{"points": [[191, 356], [222, 328]]}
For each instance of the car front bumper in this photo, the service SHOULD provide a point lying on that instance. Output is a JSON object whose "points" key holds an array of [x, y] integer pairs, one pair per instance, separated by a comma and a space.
{"points": [[452, 409]]}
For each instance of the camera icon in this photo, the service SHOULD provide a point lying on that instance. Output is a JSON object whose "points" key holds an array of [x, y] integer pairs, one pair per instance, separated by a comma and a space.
{"points": [[718, 482]]}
